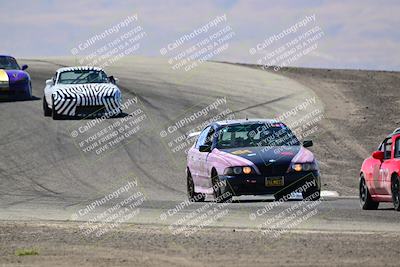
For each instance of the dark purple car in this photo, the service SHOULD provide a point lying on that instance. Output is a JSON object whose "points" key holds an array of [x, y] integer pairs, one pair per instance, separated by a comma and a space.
{"points": [[15, 83]]}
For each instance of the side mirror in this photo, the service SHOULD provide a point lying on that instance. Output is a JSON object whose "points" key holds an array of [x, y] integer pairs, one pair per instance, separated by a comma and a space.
{"points": [[24, 67], [204, 148], [49, 82], [378, 155], [307, 143], [113, 80]]}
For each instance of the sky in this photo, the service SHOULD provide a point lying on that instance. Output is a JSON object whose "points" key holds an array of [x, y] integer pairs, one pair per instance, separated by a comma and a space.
{"points": [[360, 34]]}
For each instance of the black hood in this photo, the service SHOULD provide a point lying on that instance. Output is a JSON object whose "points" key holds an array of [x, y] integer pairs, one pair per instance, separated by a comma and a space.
{"points": [[270, 161]]}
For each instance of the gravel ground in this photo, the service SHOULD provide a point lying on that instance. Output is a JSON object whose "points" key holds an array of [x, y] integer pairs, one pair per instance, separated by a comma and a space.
{"points": [[62, 244]]}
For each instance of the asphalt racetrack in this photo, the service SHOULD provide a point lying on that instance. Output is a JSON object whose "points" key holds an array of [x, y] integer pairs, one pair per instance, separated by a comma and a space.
{"points": [[56, 182]]}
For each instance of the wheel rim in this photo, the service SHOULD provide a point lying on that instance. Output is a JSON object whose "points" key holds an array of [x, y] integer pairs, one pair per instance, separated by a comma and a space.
{"points": [[363, 191], [396, 193]]}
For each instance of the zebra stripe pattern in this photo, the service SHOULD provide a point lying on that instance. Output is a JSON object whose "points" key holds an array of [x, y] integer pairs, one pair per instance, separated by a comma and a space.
{"points": [[79, 68], [67, 99]]}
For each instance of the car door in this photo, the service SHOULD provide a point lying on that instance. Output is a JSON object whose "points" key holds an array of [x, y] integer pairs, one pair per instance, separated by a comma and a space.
{"points": [[371, 171], [195, 157], [389, 166], [204, 175], [382, 175]]}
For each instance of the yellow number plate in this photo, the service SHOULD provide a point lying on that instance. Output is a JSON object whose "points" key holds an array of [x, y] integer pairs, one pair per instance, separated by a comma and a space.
{"points": [[274, 181]]}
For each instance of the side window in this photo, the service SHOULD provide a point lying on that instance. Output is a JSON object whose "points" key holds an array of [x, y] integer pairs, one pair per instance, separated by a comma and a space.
{"points": [[202, 137], [388, 148], [382, 145], [397, 148], [224, 138]]}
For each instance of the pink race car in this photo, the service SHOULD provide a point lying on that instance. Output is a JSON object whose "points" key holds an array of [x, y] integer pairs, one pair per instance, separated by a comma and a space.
{"points": [[251, 157]]}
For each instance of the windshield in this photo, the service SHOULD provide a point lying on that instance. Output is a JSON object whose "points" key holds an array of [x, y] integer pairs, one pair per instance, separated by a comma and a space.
{"points": [[82, 76], [251, 135], [8, 63]]}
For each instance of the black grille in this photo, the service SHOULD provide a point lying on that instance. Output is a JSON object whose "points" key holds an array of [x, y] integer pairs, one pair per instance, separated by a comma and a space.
{"points": [[88, 110], [6, 92], [273, 169], [19, 84]]}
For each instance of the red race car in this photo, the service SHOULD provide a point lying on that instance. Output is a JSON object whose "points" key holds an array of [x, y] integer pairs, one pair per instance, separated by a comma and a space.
{"points": [[379, 175]]}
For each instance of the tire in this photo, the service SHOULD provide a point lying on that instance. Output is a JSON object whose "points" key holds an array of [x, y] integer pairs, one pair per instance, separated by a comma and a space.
{"points": [[53, 111], [396, 192], [30, 91], [46, 110], [366, 201], [312, 194], [220, 194], [192, 195], [280, 196]]}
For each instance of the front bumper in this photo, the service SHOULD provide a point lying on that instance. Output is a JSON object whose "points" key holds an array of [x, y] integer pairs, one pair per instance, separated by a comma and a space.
{"points": [[14, 91], [256, 184], [100, 107]]}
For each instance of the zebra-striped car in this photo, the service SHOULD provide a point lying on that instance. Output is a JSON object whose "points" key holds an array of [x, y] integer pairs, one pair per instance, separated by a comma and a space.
{"points": [[81, 92]]}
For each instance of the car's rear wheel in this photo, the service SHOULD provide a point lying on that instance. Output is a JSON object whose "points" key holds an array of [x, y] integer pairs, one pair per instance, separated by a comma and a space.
{"points": [[54, 111], [396, 192], [192, 195], [366, 201], [46, 110]]}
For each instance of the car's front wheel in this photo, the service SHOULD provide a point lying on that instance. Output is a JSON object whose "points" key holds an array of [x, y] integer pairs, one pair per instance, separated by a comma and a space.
{"points": [[192, 195], [312, 194], [46, 110], [221, 194], [29, 96], [366, 201], [396, 192], [280, 196], [54, 111]]}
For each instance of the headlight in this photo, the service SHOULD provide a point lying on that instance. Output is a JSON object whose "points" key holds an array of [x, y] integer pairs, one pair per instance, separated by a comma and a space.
{"points": [[298, 167], [247, 170], [238, 170]]}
